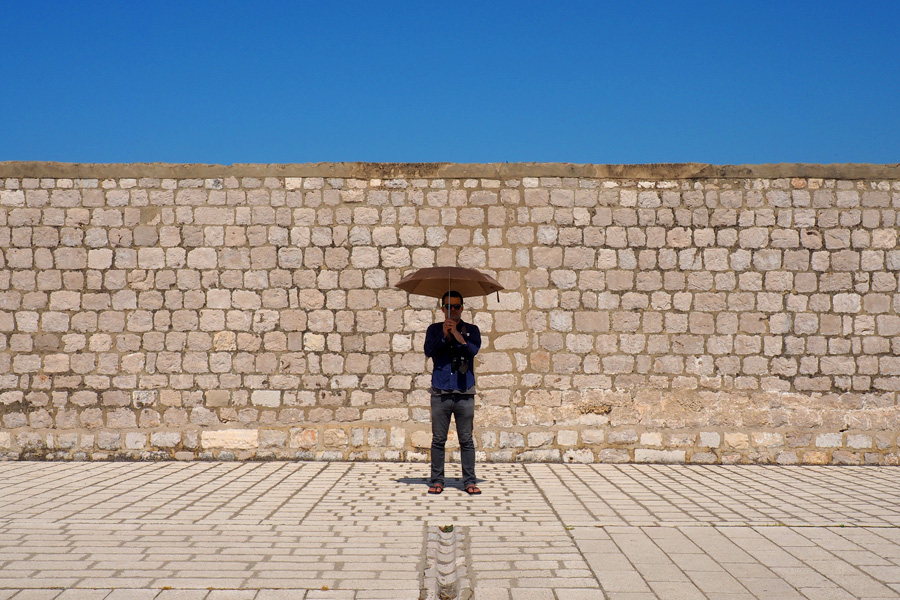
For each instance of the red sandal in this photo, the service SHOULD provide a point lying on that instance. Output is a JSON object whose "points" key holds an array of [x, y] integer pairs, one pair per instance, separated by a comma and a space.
{"points": [[472, 490], [436, 488]]}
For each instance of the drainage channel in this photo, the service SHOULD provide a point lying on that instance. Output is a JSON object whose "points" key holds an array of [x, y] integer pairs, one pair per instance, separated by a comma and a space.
{"points": [[446, 575]]}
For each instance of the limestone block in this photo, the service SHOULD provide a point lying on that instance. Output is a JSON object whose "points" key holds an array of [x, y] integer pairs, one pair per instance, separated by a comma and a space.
{"points": [[859, 441], [710, 439], [837, 365], [56, 363], [121, 418], [651, 439], [625, 436], [704, 458], [612, 455], [268, 398], [493, 362], [567, 438], [644, 455], [231, 439], [481, 198], [851, 303], [592, 436], [28, 440], [369, 321], [829, 440], [175, 417], [70, 258], [815, 458], [385, 414], [737, 440], [396, 257], [544, 455], [397, 437], [108, 440], [201, 415], [884, 238], [420, 439], [272, 438], [494, 416], [143, 398], [378, 437], [767, 439], [302, 437], [65, 441], [165, 439], [511, 440], [842, 457], [540, 439], [12, 198], [880, 199]]}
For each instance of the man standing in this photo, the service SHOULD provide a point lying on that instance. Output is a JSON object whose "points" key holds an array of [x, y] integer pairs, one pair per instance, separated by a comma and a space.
{"points": [[452, 345]]}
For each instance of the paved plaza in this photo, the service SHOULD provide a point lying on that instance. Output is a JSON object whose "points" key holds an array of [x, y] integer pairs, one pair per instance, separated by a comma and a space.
{"points": [[368, 531]]}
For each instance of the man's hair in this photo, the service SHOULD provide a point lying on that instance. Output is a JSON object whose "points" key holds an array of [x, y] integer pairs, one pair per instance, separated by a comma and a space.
{"points": [[451, 294]]}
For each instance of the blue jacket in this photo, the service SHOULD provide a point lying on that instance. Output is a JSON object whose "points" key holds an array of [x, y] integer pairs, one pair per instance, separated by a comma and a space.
{"points": [[440, 350]]}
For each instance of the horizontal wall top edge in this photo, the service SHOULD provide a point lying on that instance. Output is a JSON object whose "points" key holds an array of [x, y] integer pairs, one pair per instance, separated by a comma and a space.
{"points": [[366, 170]]}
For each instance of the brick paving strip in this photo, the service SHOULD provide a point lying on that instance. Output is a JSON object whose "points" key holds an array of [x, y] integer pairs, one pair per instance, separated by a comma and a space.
{"points": [[365, 531]]}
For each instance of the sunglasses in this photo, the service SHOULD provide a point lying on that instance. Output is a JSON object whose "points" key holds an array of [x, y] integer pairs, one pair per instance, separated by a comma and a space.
{"points": [[453, 306]]}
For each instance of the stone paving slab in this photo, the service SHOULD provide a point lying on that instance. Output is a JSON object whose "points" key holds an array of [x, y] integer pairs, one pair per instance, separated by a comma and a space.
{"points": [[721, 495], [358, 531]]}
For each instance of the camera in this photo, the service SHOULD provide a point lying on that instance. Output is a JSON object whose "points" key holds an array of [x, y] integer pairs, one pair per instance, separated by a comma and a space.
{"points": [[459, 362]]}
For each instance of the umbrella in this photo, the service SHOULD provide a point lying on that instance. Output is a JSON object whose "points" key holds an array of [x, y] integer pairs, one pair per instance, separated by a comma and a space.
{"points": [[436, 281]]}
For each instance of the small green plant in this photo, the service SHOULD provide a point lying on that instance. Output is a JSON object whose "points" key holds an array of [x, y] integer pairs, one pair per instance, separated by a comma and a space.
{"points": [[447, 528]]}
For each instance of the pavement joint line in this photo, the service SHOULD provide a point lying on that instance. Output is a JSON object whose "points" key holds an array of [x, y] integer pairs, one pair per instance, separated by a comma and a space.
{"points": [[169, 483], [36, 483], [95, 468], [165, 480], [201, 493], [566, 529], [313, 477], [297, 491], [347, 468], [813, 568], [260, 483], [666, 482], [577, 497]]}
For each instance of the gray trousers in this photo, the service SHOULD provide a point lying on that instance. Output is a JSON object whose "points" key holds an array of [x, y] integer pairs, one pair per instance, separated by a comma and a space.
{"points": [[462, 408]]}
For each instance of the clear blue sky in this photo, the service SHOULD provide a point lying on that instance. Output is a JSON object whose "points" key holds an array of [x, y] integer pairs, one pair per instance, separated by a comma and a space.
{"points": [[723, 81]]}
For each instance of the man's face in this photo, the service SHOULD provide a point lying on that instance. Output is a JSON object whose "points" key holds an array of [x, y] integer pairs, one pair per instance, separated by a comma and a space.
{"points": [[452, 307]]}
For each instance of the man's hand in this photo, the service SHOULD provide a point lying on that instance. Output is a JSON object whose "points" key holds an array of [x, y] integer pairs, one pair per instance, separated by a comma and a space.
{"points": [[450, 329]]}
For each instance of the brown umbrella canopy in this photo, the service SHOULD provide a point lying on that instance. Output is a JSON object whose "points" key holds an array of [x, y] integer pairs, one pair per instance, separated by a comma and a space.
{"points": [[436, 281]]}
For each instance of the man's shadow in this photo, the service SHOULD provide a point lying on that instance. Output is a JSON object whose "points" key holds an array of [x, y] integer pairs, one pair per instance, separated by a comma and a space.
{"points": [[449, 482]]}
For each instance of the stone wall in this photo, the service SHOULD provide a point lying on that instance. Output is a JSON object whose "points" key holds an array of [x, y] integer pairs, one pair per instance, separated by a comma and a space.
{"points": [[661, 313]]}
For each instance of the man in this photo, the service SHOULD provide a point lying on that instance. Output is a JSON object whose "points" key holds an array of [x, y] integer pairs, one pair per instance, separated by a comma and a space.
{"points": [[452, 345]]}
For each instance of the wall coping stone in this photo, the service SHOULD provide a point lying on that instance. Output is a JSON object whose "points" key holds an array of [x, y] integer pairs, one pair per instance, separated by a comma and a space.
{"points": [[440, 170]]}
